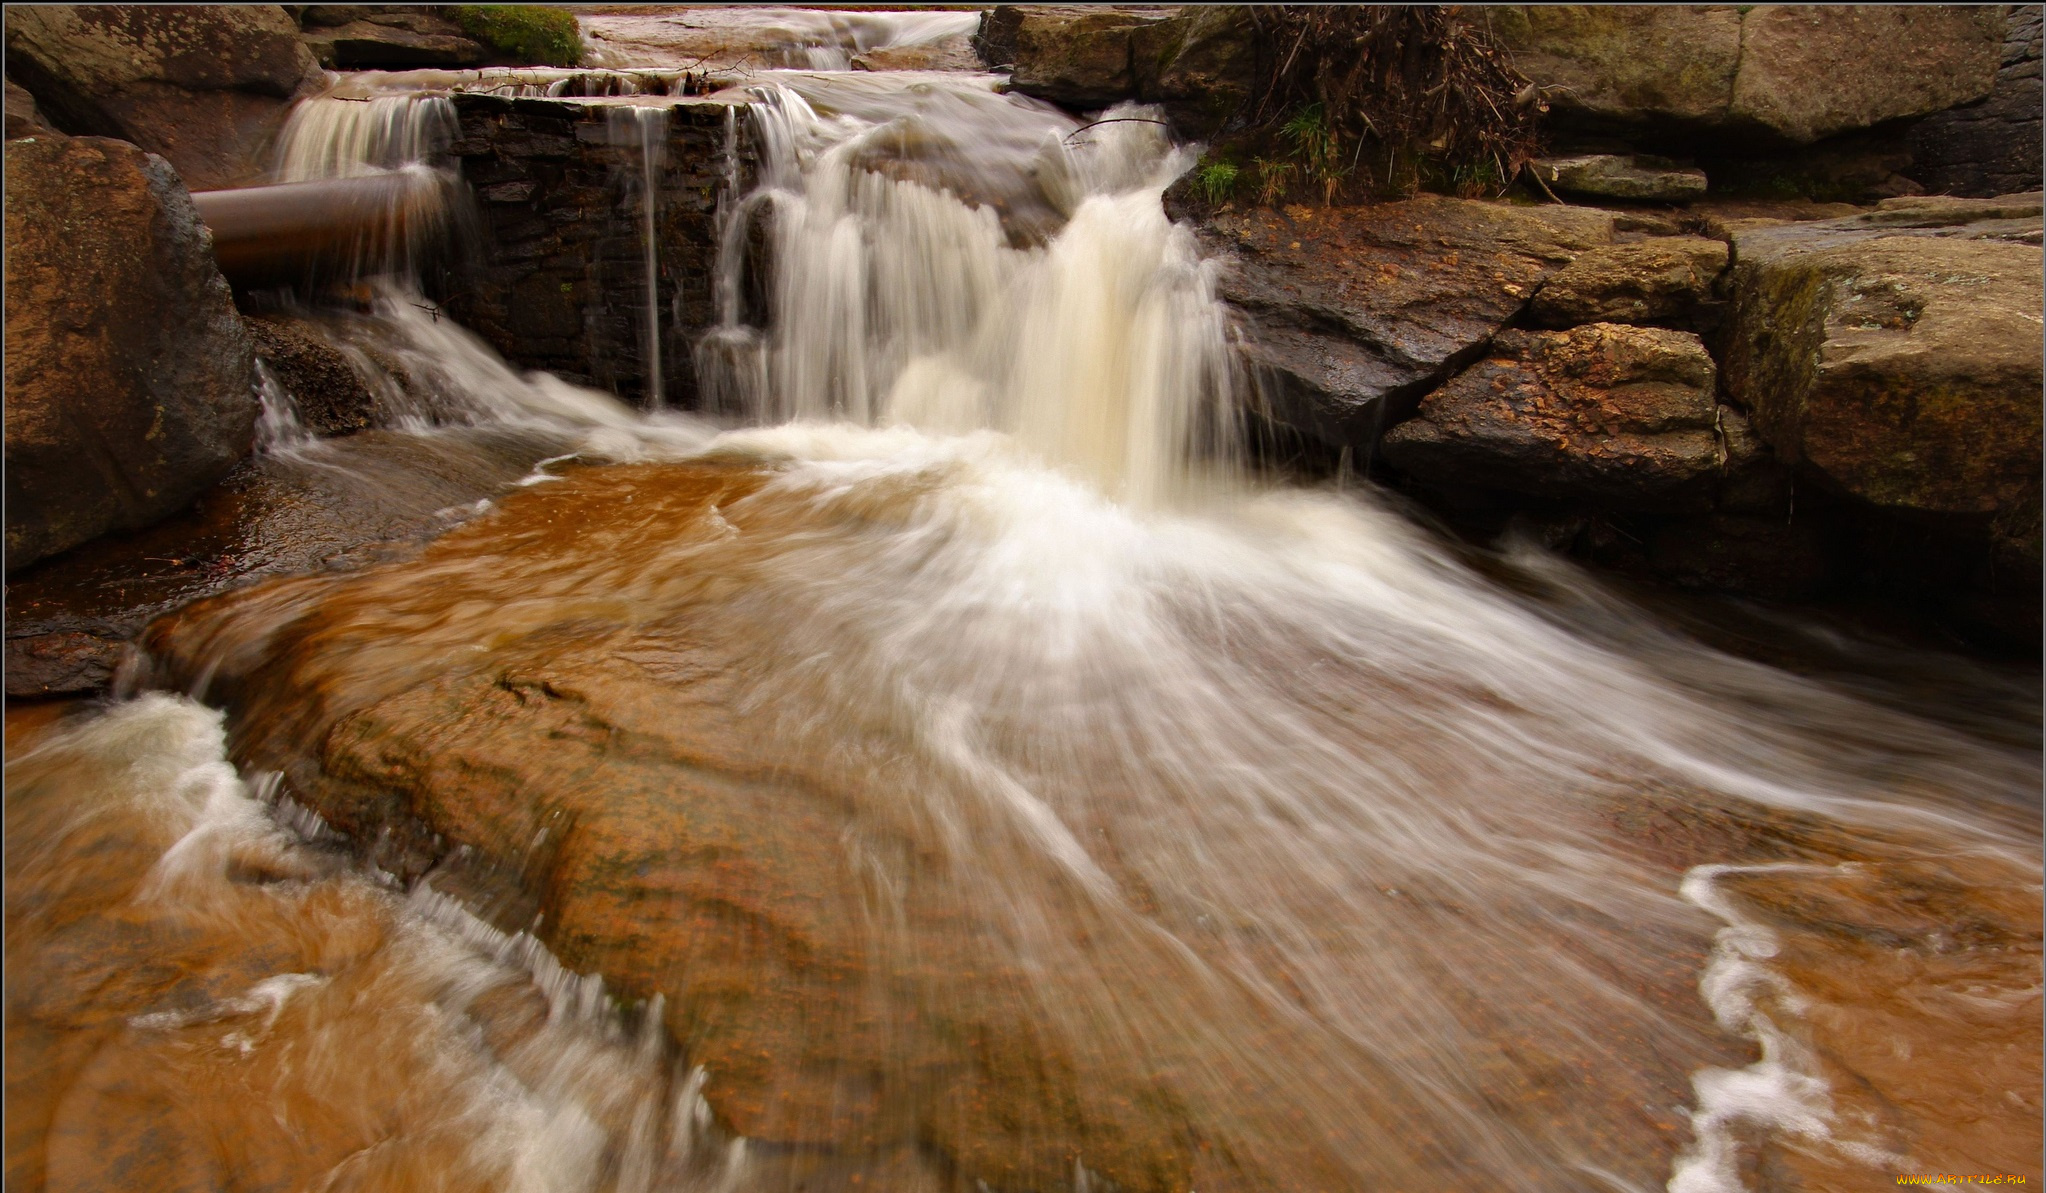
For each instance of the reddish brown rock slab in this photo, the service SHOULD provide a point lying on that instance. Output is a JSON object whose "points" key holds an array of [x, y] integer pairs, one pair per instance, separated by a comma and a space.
{"points": [[1354, 312], [601, 696], [130, 378], [1897, 352], [1605, 413]]}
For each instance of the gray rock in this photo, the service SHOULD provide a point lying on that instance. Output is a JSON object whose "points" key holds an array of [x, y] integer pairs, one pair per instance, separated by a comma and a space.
{"points": [[1664, 279], [1896, 353], [1622, 176], [130, 378], [205, 87], [1615, 415]]}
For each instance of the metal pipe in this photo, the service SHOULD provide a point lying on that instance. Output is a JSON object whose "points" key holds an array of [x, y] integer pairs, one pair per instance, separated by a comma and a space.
{"points": [[332, 228]]}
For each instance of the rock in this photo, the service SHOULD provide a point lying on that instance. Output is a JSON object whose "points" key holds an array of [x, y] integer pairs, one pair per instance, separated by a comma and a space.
{"points": [[1356, 311], [369, 495], [1896, 353], [1630, 65], [24, 119], [206, 87], [62, 664], [382, 37], [331, 396], [1810, 71], [1664, 279], [1617, 176], [1074, 55], [129, 374], [1196, 60], [1795, 73], [1200, 64], [1993, 147], [1602, 413]]}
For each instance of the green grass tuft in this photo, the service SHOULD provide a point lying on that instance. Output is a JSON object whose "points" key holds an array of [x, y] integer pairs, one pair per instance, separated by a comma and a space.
{"points": [[1216, 181], [530, 34]]}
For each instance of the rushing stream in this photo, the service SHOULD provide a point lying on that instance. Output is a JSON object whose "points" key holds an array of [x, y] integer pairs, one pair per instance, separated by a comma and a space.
{"points": [[940, 765]]}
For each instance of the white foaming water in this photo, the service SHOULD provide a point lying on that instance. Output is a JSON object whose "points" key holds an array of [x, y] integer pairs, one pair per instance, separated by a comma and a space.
{"points": [[1346, 794], [897, 296], [575, 1098]]}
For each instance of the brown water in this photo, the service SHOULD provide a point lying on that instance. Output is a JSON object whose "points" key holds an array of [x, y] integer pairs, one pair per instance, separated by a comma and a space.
{"points": [[962, 778]]}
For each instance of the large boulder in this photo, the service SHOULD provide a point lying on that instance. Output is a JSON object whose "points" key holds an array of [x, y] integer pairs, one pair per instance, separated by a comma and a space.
{"points": [[1355, 312], [1795, 73], [130, 378], [1615, 415], [206, 87], [1897, 353], [1664, 279]]}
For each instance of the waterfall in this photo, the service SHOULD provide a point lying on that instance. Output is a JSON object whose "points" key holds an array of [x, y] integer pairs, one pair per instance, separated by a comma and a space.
{"points": [[941, 732], [951, 259], [645, 129]]}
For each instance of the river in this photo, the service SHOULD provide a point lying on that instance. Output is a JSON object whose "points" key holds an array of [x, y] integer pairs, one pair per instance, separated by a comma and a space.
{"points": [[946, 762]]}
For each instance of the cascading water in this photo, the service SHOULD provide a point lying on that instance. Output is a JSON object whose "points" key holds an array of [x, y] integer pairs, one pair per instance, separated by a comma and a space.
{"points": [[987, 789], [644, 129], [898, 297]]}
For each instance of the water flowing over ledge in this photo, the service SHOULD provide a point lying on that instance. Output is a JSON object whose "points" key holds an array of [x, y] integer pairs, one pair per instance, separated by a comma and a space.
{"points": [[964, 776]]}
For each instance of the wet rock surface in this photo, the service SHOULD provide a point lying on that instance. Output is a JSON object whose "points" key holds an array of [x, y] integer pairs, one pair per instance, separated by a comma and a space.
{"points": [[330, 397], [1607, 413], [130, 378], [351, 501], [206, 87], [1354, 312], [1896, 353], [1665, 279]]}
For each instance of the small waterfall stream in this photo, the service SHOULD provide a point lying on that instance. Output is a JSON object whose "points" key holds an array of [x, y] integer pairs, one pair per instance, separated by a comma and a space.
{"points": [[937, 765], [644, 129]]}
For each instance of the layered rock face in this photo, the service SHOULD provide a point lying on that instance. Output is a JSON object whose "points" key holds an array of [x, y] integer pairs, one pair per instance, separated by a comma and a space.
{"points": [[129, 374], [206, 87]]}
